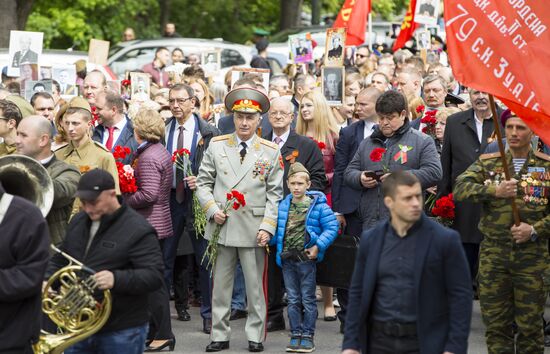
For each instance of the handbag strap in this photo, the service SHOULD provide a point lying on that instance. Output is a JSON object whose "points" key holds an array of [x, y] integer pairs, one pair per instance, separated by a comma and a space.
{"points": [[5, 202]]}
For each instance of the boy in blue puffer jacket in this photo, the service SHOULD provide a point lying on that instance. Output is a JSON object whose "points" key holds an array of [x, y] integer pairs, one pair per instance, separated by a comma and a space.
{"points": [[306, 226]]}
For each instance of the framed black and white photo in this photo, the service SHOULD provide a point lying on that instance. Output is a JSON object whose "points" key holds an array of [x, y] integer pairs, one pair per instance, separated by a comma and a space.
{"points": [[423, 39], [25, 48], [141, 87], [332, 84], [31, 87], [211, 62], [426, 12], [334, 49], [262, 76], [65, 75]]}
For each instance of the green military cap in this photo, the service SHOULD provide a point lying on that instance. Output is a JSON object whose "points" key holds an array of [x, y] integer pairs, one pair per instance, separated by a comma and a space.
{"points": [[75, 102], [246, 100], [24, 106], [79, 102], [296, 168], [260, 32]]}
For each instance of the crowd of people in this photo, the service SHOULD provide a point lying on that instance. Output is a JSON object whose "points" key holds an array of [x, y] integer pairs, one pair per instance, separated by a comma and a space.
{"points": [[228, 198]]}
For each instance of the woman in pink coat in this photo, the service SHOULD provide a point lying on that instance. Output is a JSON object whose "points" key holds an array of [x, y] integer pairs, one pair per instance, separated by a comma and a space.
{"points": [[153, 171]]}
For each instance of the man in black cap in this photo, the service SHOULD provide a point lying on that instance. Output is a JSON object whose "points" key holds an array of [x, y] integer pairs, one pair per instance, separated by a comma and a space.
{"points": [[121, 246]]}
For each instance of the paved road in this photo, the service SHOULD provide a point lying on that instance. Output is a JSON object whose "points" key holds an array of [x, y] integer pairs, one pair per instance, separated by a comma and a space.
{"points": [[190, 339]]}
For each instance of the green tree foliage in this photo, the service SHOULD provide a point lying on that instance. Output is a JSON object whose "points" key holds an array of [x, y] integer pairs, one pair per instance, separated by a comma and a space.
{"points": [[232, 20], [73, 24]]}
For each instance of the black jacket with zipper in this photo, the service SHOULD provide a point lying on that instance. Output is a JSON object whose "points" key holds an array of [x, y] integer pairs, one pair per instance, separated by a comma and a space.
{"points": [[125, 244]]}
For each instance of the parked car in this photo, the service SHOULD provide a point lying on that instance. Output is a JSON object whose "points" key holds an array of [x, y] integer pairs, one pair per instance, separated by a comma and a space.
{"points": [[48, 57], [133, 55]]}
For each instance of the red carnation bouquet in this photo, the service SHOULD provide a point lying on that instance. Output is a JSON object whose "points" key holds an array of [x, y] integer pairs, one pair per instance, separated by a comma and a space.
{"points": [[126, 178], [429, 121], [377, 155], [182, 160], [444, 210], [235, 200]]}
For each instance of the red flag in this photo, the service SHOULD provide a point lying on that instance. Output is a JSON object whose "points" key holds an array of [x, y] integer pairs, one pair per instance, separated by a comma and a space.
{"points": [[502, 48], [407, 27], [353, 16]]}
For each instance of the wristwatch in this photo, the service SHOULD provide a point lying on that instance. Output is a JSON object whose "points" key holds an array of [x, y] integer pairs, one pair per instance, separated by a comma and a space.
{"points": [[534, 235]]}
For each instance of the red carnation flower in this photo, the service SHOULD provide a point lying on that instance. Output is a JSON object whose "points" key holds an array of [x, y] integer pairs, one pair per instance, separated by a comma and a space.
{"points": [[236, 205], [377, 154], [420, 109], [229, 196]]}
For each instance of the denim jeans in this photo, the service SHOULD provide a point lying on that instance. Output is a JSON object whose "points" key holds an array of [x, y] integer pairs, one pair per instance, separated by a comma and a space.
{"points": [[300, 281], [238, 300], [124, 341]]}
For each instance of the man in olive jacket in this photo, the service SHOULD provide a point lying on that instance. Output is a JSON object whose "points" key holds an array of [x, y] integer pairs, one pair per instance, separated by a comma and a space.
{"points": [[34, 140]]}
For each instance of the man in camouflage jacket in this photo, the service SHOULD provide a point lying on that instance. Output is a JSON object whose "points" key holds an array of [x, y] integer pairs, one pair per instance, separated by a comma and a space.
{"points": [[513, 259]]}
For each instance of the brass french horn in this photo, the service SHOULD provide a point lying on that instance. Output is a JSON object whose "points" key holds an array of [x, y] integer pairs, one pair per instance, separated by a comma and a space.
{"points": [[70, 298], [73, 302]]}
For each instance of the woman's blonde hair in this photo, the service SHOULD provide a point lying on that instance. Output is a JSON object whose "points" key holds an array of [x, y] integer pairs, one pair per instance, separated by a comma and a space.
{"points": [[413, 105], [323, 125], [206, 102], [446, 112], [149, 125]]}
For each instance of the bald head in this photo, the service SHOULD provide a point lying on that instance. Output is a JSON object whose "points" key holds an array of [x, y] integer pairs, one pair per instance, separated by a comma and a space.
{"points": [[283, 102], [365, 103], [34, 134], [94, 83]]}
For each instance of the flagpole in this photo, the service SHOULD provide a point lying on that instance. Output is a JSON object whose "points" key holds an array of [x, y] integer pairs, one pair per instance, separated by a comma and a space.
{"points": [[369, 25], [515, 211]]}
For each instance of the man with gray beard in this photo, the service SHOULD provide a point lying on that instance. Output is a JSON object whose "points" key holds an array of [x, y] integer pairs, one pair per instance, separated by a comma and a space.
{"points": [[467, 134]]}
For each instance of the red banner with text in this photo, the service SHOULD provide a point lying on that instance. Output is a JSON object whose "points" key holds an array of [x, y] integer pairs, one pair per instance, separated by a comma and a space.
{"points": [[407, 27], [503, 48], [353, 16]]}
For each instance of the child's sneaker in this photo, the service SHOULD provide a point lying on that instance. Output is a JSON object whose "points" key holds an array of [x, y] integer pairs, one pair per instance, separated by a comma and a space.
{"points": [[294, 344], [306, 345]]}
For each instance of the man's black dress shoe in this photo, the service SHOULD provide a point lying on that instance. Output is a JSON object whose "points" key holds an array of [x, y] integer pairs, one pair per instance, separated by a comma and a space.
{"points": [[183, 315], [206, 325], [217, 346], [236, 314], [255, 347], [170, 343], [276, 324]]}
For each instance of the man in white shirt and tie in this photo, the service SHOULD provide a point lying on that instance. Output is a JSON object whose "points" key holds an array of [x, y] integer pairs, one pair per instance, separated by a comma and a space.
{"points": [[186, 130], [115, 128]]}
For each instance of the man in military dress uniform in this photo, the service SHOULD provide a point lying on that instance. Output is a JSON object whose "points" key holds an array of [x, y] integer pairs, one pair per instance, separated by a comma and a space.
{"points": [[253, 166], [82, 151], [513, 259]]}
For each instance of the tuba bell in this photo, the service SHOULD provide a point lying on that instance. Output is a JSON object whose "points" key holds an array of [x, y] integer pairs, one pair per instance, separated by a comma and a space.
{"points": [[27, 178]]}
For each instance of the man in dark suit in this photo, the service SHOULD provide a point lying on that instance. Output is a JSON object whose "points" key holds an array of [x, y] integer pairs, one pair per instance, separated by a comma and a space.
{"points": [[186, 130], [336, 51], [410, 289], [294, 148], [115, 128], [25, 55], [345, 200], [427, 9], [467, 134]]}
